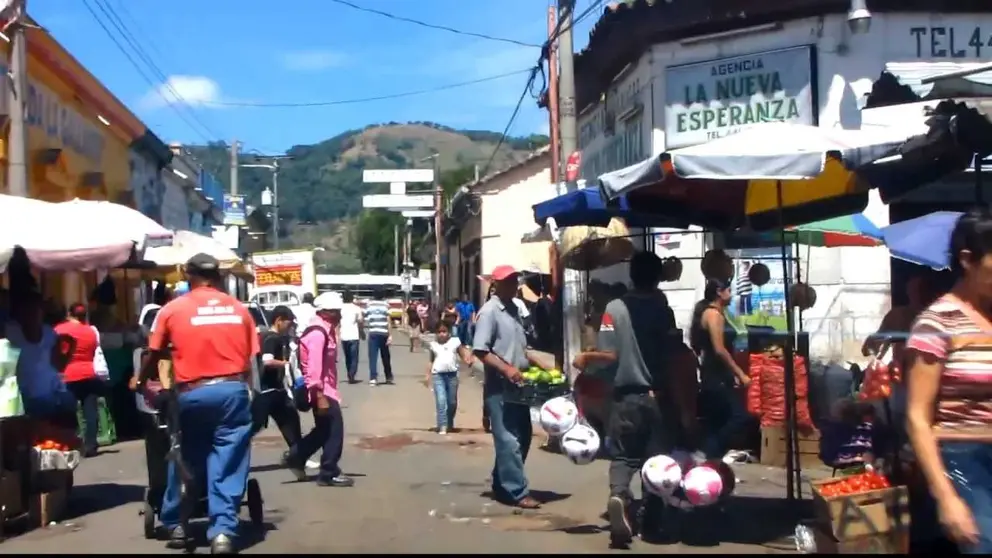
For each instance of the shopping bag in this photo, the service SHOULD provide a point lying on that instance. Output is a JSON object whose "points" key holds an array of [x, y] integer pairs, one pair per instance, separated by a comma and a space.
{"points": [[11, 404]]}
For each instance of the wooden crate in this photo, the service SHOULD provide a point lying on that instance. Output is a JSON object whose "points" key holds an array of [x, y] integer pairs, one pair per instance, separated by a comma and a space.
{"points": [[893, 542], [858, 515], [48, 507], [773, 447]]}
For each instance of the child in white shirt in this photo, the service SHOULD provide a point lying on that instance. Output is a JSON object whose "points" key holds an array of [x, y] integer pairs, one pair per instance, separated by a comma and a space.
{"points": [[446, 354]]}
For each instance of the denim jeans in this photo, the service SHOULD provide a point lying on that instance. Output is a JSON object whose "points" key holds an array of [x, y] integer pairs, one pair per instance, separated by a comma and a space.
{"points": [[351, 358], [87, 394], [723, 405], [465, 332], [445, 398], [379, 347], [216, 424], [969, 466], [512, 431]]}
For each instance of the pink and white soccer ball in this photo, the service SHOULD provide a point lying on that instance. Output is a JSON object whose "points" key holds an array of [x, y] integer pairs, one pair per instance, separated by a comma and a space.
{"points": [[703, 485], [580, 444], [661, 475], [558, 415]]}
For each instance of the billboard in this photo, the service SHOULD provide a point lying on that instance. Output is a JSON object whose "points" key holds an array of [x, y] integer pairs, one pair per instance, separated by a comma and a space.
{"points": [[235, 213]]}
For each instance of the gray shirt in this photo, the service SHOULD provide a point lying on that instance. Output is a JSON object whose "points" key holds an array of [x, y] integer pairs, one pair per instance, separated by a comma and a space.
{"points": [[500, 331], [638, 328]]}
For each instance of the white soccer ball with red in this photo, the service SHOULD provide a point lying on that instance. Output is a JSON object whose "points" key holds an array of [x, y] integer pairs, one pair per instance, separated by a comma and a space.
{"points": [[703, 485], [580, 444], [661, 475], [558, 415]]}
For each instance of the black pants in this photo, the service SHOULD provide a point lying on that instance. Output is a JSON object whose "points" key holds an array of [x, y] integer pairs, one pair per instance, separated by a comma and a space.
{"points": [[327, 435], [277, 405], [636, 433], [87, 394]]}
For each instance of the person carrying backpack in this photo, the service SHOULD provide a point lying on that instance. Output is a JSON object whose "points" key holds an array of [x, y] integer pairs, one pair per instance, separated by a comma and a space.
{"points": [[318, 356]]}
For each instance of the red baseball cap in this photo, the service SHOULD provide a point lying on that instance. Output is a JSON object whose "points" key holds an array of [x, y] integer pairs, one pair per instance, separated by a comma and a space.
{"points": [[502, 272]]}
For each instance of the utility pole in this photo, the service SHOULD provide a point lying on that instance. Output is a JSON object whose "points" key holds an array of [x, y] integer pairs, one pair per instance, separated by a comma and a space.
{"points": [[235, 147], [274, 167], [571, 294], [552, 99], [438, 293], [18, 154], [396, 249], [275, 208]]}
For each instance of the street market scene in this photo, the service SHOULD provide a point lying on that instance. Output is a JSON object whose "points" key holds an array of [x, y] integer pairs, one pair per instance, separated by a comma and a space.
{"points": [[716, 283]]}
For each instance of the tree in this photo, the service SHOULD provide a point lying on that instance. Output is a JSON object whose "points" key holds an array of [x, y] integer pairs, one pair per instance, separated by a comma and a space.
{"points": [[373, 240]]}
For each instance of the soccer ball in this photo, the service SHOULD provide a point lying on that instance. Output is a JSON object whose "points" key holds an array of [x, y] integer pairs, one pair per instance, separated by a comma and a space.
{"points": [[580, 444], [703, 485], [558, 415], [661, 475]]}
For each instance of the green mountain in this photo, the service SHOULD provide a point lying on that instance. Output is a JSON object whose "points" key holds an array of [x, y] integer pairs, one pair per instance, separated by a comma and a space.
{"points": [[321, 187]]}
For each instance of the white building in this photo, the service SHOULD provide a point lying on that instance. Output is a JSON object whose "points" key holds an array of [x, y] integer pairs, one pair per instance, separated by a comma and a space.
{"points": [[689, 87]]}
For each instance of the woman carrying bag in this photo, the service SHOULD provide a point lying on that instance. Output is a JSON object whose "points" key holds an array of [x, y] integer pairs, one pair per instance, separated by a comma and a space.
{"points": [[86, 372]]}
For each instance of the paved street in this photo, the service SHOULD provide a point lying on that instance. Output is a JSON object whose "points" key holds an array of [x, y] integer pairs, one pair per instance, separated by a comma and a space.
{"points": [[415, 492]]}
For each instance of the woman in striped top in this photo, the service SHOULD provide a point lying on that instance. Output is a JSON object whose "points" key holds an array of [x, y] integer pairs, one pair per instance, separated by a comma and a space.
{"points": [[949, 415]]}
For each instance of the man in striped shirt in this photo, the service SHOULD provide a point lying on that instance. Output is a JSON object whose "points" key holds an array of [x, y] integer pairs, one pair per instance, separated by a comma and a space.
{"points": [[379, 329]]}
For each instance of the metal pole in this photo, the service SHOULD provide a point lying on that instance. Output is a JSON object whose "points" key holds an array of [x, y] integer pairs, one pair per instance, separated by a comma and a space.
{"points": [[439, 285], [275, 203], [18, 154], [235, 146], [396, 249], [553, 99]]}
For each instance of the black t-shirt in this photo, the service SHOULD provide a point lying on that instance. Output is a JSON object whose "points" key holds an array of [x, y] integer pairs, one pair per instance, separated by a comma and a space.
{"points": [[277, 345]]}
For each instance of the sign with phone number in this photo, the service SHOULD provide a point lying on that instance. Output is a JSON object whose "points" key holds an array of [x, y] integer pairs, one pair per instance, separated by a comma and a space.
{"points": [[279, 275], [951, 41]]}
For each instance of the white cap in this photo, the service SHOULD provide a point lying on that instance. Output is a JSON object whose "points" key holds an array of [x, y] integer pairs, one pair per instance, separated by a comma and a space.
{"points": [[328, 301]]}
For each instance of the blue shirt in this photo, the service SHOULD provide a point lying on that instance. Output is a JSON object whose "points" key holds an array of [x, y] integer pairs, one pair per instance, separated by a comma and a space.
{"points": [[465, 310]]}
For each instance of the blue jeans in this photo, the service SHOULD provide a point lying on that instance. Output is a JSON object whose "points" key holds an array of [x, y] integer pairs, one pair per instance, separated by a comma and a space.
{"points": [[465, 332], [722, 405], [512, 432], [216, 427], [445, 398], [969, 466], [378, 347], [351, 358]]}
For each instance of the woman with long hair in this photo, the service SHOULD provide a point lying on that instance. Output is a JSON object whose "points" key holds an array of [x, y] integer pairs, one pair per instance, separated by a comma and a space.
{"points": [[720, 376], [949, 408], [80, 373]]}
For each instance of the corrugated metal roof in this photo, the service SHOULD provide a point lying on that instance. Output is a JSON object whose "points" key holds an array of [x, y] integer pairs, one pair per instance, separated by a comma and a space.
{"points": [[912, 74]]}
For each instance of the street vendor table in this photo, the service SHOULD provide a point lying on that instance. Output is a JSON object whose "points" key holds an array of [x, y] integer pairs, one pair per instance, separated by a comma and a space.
{"points": [[28, 498]]}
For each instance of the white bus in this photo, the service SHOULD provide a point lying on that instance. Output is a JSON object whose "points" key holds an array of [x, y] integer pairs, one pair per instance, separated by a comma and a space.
{"points": [[364, 287]]}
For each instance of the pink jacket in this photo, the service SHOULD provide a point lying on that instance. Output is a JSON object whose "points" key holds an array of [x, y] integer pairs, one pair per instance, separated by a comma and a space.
{"points": [[320, 368]]}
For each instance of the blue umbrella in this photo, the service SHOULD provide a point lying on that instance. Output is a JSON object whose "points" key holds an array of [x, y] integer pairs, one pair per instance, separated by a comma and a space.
{"points": [[586, 207], [923, 240]]}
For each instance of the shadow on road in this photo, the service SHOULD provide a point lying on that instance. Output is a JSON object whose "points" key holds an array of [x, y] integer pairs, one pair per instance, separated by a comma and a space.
{"points": [[542, 496], [89, 499]]}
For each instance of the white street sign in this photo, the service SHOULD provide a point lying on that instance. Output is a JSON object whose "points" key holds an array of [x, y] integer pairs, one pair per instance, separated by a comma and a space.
{"points": [[397, 188], [382, 176], [389, 201], [414, 214]]}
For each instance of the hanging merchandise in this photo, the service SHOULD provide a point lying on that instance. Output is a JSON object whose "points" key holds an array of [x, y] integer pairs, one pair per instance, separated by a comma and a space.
{"points": [[802, 296], [589, 248], [758, 274], [671, 269], [105, 293], [716, 264]]}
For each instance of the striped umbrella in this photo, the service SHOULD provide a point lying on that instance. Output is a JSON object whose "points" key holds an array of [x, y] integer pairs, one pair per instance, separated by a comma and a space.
{"points": [[837, 232]]}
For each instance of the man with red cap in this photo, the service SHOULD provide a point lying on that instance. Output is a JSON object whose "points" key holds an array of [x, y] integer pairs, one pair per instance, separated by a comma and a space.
{"points": [[500, 343]]}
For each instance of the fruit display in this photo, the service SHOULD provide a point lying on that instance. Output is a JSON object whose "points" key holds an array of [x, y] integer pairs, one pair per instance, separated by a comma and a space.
{"points": [[535, 375], [51, 445], [854, 484]]}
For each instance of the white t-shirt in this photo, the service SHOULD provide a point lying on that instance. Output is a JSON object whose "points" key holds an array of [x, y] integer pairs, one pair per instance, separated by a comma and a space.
{"points": [[350, 315], [304, 314], [445, 356]]}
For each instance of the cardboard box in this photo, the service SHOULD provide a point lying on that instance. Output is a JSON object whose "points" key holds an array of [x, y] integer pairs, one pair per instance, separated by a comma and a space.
{"points": [[893, 542], [11, 496], [48, 507], [870, 513], [773, 447]]}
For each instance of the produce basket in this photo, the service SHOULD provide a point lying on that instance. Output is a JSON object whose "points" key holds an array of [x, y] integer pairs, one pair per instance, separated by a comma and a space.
{"points": [[538, 387]]}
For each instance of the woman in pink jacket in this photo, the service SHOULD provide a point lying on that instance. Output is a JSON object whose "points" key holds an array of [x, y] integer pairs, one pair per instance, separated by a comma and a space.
{"points": [[318, 360]]}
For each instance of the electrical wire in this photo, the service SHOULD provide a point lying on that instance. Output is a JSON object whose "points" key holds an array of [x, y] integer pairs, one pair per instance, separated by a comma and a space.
{"points": [[513, 117], [370, 99], [162, 79], [432, 25]]}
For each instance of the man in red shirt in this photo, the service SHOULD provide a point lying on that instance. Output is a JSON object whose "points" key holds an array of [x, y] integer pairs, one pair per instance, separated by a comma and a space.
{"points": [[212, 339]]}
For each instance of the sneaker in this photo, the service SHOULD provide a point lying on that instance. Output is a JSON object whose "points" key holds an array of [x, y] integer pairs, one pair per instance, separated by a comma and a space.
{"points": [[313, 464], [222, 544], [177, 539], [288, 462], [443, 430], [373, 383], [621, 533], [339, 481]]}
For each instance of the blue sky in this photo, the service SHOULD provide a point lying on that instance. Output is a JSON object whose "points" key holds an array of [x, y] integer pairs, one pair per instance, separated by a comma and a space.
{"points": [[254, 51]]}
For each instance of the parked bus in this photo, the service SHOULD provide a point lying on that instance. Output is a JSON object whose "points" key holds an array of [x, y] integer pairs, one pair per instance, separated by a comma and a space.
{"points": [[364, 287]]}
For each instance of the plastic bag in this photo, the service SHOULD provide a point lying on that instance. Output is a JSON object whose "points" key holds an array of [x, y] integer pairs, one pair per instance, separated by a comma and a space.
{"points": [[11, 404], [773, 392], [880, 374]]}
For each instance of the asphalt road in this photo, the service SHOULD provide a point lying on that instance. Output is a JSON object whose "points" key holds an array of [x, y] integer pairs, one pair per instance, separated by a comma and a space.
{"points": [[415, 492]]}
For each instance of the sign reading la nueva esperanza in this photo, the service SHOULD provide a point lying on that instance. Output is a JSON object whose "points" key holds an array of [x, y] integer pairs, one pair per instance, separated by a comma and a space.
{"points": [[709, 100]]}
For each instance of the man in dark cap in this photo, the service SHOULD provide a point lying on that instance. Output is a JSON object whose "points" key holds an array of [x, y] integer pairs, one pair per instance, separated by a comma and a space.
{"points": [[212, 340]]}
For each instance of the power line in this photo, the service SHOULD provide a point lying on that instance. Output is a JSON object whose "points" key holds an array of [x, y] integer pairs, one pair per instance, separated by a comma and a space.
{"points": [[432, 25], [370, 99], [132, 41], [513, 117]]}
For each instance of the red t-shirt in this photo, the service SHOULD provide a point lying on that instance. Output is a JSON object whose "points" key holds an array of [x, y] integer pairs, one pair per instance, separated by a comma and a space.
{"points": [[212, 334], [80, 365]]}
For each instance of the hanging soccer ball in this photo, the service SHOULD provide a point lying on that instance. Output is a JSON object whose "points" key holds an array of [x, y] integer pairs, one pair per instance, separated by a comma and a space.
{"points": [[558, 415], [661, 475], [580, 444], [703, 485]]}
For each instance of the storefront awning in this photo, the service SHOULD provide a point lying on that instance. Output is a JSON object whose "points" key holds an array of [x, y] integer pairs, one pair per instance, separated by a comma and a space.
{"points": [[913, 74]]}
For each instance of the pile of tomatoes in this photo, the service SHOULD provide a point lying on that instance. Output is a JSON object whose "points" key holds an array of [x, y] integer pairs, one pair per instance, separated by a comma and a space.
{"points": [[854, 484], [878, 381], [51, 445]]}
